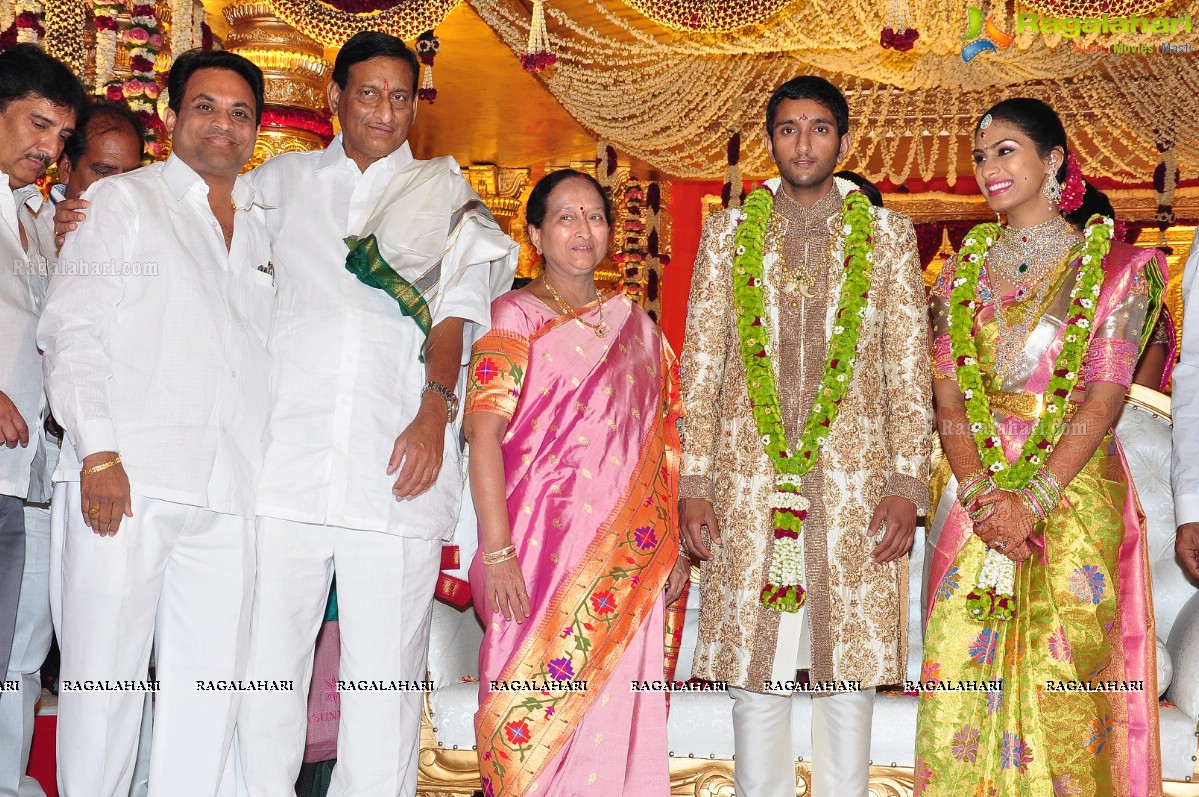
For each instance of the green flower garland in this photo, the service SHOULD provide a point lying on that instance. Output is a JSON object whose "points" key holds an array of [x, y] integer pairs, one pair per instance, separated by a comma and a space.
{"points": [[784, 590], [993, 597]]}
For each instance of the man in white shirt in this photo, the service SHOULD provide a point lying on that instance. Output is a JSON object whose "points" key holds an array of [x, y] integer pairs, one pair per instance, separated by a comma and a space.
{"points": [[154, 339], [40, 101], [361, 468], [1185, 400]]}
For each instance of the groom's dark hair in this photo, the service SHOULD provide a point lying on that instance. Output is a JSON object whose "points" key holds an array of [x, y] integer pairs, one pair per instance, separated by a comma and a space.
{"points": [[810, 87]]}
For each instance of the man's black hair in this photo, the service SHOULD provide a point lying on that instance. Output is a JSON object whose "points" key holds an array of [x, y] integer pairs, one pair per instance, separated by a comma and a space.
{"points": [[192, 61], [27, 71], [370, 44], [810, 87], [101, 116]]}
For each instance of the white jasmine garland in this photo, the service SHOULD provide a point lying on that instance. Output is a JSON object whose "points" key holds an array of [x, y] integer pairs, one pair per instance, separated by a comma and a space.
{"points": [[793, 501]]}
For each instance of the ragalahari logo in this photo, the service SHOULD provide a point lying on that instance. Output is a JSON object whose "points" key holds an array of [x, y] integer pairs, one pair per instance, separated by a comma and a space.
{"points": [[976, 42]]}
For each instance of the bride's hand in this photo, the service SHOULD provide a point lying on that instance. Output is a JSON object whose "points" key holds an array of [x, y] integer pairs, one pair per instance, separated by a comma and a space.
{"points": [[1007, 526], [680, 574], [506, 589]]}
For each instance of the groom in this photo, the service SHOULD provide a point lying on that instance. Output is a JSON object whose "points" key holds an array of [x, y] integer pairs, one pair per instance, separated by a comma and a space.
{"points": [[804, 556]]}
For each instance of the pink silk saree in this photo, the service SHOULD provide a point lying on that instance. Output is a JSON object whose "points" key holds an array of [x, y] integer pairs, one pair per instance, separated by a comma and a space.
{"points": [[591, 462], [1083, 605]]}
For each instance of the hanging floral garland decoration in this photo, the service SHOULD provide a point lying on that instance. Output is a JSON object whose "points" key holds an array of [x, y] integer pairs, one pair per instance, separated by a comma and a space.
{"points": [[104, 19], [28, 22], [654, 259], [732, 193], [143, 40], [899, 35], [633, 253], [427, 48], [605, 165], [1165, 183], [710, 16], [333, 22], [538, 57], [183, 32]]}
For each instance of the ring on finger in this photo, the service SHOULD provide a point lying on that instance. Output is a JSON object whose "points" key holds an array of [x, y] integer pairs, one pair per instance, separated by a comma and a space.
{"points": [[95, 510]]}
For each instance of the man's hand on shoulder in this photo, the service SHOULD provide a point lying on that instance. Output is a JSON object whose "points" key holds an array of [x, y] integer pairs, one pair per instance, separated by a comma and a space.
{"points": [[67, 218]]}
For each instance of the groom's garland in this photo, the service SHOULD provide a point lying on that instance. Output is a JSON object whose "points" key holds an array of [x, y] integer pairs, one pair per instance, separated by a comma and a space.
{"points": [[784, 590], [993, 595]]}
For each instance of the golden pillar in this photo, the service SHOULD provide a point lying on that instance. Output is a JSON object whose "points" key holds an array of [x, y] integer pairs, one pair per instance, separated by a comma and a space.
{"points": [[296, 72]]}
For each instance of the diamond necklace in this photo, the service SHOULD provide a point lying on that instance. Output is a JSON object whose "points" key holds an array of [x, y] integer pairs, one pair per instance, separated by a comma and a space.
{"points": [[1028, 254], [1025, 257]]}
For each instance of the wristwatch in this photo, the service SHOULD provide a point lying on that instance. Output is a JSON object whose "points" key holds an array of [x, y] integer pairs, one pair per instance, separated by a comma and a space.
{"points": [[451, 398]]}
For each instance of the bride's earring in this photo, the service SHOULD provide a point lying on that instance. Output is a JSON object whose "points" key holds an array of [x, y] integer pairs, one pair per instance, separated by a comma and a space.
{"points": [[1052, 190]]}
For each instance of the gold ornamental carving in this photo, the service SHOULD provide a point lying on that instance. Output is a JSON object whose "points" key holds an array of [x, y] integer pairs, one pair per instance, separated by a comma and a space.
{"points": [[276, 142], [293, 64], [501, 189]]}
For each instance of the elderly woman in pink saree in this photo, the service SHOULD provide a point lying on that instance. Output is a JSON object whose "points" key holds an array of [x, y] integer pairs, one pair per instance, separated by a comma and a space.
{"points": [[570, 414], [1039, 643]]}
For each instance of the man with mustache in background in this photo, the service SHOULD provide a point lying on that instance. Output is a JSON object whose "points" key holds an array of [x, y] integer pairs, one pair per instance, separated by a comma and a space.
{"points": [[40, 101]]}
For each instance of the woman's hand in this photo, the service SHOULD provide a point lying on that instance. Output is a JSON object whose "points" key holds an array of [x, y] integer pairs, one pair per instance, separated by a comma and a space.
{"points": [[506, 589], [680, 574], [1007, 525]]}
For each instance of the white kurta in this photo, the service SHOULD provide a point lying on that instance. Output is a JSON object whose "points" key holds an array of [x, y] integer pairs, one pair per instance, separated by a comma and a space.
{"points": [[22, 289], [155, 339], [347, 373]]}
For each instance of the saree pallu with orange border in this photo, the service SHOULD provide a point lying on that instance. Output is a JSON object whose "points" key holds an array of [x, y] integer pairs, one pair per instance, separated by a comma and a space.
{"points": [[591, 464], [1060, 700]]}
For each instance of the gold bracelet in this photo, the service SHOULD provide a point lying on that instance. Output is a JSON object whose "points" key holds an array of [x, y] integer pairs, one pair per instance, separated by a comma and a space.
{"points": [[102, 466], [502, 555]]}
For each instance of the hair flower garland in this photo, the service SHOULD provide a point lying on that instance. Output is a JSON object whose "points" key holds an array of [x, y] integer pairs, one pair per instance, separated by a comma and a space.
{"points": [[1073, 188], [784, 589], [993, 597]]}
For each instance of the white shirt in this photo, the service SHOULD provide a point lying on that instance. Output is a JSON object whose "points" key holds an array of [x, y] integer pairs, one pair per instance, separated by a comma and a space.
{"points": [[1185, 399], [23, 281], [347, 376], [155, 338]]}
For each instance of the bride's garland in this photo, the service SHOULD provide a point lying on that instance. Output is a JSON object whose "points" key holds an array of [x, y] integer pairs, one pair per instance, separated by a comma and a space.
{"points": [[784, 590], [993, 595]]}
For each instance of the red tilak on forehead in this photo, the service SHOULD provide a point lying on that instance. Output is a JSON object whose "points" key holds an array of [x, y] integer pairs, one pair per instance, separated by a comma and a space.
{"points": [[803, 117]]}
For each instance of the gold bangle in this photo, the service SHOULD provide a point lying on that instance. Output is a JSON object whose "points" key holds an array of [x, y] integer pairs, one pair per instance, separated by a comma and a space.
{"points": [[502, 555], [102, 466]]}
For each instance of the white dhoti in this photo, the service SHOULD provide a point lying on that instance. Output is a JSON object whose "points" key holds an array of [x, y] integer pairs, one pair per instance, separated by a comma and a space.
{"points": [[763, 743], [175, 576], [385, 600]]}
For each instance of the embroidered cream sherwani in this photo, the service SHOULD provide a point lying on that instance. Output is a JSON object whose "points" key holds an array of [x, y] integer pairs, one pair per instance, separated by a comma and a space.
{"points": [[878, 446]]}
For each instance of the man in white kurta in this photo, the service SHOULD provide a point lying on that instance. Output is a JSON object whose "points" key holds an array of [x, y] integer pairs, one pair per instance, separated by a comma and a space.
{"points": [[154, 337], [362, 471], [40, 101], [1185, 470]]}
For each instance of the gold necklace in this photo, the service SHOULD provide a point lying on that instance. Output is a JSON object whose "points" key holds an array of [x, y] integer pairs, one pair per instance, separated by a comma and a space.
{"points": [[598, 327]]}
